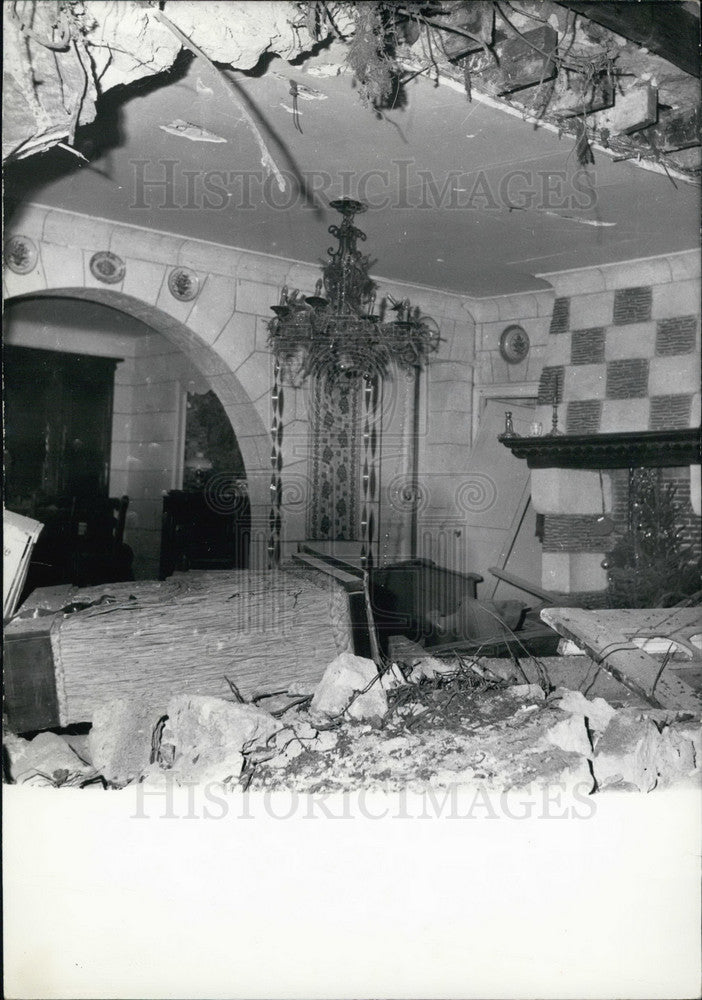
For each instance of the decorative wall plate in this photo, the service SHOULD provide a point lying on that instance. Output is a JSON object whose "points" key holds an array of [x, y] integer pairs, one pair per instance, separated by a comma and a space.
{"points": [[21, 254], [514, 344], [183, 284], [107, 267]]}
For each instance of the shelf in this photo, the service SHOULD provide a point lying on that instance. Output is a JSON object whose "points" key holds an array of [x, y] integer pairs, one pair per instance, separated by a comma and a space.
{"points": [[637, 449]]}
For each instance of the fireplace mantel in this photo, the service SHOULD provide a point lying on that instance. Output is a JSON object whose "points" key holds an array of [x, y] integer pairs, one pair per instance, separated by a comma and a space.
{"points": [[633, 449]]}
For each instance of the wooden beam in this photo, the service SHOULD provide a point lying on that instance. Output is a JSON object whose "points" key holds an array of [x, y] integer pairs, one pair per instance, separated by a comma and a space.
{"points": [[522, 62], [669, 30], [637, 109], [461, 20], [599, 634], [675, 130], [548, 596], [568, 100]]}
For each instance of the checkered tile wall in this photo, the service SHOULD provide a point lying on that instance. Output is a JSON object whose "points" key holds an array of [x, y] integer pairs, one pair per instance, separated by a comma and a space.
{"points": [[636, 373]]}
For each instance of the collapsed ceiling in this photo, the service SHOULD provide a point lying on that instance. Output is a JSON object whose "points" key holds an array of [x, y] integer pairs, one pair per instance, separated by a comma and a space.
{"points": [[427, 112], [622, 76]]}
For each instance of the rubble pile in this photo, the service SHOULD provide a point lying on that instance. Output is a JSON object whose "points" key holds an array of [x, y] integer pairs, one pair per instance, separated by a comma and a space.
{"points": [[435, 722]]}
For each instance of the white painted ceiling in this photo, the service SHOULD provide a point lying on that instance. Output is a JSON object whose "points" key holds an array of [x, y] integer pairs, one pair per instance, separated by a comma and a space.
{"points": [[473, 243]]}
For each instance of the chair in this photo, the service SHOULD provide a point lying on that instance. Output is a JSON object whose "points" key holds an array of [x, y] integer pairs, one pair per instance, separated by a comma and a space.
{"points": [[100, 554]]}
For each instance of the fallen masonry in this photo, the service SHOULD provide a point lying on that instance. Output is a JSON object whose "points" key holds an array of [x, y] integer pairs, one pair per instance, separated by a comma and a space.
{"points": [[434, 723]]}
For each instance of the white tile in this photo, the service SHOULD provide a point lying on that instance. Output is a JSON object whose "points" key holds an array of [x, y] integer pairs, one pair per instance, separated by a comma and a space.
{"points": [[673, 374], [586, 571], [555, 571], [558, 349], [680, 298], [593, 310], [585, 382], [636, 340], [624, 415]]}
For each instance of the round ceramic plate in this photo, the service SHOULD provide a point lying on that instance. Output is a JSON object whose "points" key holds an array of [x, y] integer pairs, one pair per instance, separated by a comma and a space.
{"points": [[183, 284], [20, 254], [514, 344], [107, 267]]}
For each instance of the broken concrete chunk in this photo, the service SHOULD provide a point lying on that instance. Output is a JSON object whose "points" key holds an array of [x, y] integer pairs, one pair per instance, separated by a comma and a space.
{"points": [[633, 751], [392, 678], [430, 668], [571, 735], [528, 692], [597, 712], [286, 746], [338, 691], [326, 740], [47, 759], [120, 743], [209, 736]]}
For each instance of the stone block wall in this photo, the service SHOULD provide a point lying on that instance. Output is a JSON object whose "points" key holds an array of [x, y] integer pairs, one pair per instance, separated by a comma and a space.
{"points": [[222, 332]]}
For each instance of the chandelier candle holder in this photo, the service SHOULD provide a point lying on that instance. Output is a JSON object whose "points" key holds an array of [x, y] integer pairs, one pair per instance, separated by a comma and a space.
{"points": [[335, 333]]}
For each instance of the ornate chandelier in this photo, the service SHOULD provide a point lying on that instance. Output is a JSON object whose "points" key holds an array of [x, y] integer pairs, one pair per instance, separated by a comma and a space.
{"points": [[334, 333]]}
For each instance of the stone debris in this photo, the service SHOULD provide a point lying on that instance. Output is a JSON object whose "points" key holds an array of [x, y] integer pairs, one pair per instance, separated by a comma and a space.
{"points": [[45, 760], [493, 736], [337, 693], [632, 752], [393, 678], [120, 743], [326, 741], [527, 692], [597, 713], [429, 668], [571, 735], [206, 738]]}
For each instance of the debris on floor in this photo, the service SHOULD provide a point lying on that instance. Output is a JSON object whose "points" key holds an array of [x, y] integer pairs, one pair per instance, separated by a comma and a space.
{"points": [[432, 723]]}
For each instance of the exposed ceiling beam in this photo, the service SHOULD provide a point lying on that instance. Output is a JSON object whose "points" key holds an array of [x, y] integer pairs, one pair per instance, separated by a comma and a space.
{"points": [[668, 29]]}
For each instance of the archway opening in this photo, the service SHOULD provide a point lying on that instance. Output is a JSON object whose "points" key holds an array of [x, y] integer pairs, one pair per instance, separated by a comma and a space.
{"points": [[79, 359]]}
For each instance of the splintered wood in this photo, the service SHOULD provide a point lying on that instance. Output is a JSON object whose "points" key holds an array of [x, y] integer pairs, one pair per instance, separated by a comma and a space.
{"points": [[189, 634], [608, 637]]}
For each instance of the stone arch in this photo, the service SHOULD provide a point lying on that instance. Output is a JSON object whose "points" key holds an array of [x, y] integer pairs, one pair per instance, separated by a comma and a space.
{"points": [[252, 435]]}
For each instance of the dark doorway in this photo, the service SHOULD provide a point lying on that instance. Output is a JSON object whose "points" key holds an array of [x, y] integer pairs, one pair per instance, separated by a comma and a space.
{"points": [[58, 425]]}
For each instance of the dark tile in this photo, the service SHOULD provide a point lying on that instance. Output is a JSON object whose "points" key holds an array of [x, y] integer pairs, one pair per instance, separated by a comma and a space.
{"points": [[632, 305], [627, 379], [560, 321], [588, 346], [670, 412], [551, 383], [676, 335], [583, 416]]}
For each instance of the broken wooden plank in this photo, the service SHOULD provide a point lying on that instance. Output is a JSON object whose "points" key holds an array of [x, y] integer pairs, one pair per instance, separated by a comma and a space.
{"points": [[569, 98], [522, 62], [670, 30], [348, 581], [686, 159], [599, 634], [460, 20], [675, 130], [549, 596], [637, 109]]}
